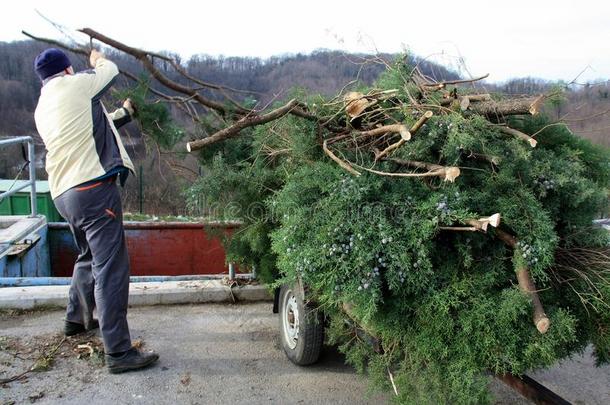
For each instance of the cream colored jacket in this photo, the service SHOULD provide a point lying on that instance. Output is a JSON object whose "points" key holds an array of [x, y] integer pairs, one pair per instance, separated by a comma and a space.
{"points": [[80, 136]]}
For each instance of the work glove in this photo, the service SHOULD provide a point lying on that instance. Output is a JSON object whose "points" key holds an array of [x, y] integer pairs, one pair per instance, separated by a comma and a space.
{"points": [[94, 56], [130, 107]]}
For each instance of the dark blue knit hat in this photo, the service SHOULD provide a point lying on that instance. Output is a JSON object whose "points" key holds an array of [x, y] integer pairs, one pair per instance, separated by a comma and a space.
{"points": [[50, 62]]}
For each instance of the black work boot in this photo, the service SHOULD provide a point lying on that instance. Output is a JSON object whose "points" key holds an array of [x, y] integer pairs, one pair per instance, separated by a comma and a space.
{"points": [[73, 328], [132, 359]]}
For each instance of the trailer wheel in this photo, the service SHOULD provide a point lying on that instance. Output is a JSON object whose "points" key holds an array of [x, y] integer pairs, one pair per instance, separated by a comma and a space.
{"points": [[301, 327]]}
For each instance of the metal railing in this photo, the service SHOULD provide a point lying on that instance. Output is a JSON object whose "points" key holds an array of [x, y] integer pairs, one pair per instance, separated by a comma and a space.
{"points": [[32, 169]]}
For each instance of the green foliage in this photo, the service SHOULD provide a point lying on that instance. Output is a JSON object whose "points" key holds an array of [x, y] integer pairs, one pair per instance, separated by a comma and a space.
{"points": [[445, 305], [154, 118]]}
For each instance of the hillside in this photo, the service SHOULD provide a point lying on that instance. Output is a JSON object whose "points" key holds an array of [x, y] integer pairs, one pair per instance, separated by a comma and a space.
{"points": [[324, 72]]}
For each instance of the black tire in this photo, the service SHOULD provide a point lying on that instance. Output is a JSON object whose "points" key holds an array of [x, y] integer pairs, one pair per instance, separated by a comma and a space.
{"points": [[301, 332]]}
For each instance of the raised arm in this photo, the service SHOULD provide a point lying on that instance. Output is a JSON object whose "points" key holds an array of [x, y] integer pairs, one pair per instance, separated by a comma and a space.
{"points": [[103, 74]]}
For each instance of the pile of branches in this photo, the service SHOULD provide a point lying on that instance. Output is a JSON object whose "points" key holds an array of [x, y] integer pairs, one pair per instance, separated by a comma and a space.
{"points": [[453, 225]]}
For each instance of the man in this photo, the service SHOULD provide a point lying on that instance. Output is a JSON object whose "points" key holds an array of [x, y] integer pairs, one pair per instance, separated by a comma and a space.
{"points": [[85, 156]]}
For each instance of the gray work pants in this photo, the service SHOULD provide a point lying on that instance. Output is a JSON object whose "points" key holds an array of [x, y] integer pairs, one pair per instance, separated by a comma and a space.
{"points": [[101, 272]]}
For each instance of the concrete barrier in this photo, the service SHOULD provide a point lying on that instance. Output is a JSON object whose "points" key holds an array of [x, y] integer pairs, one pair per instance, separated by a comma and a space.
{"points": [[151, 293]]}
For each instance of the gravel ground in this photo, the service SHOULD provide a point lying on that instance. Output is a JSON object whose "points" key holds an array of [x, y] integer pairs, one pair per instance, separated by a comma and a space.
{"points": [[221, 354]]}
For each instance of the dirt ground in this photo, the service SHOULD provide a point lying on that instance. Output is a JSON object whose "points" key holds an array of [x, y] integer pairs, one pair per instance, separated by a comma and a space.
{"points": [[220, 354]]}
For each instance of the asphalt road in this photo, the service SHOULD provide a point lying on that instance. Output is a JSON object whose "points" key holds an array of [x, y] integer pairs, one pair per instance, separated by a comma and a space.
{"points": [[215, 354]]}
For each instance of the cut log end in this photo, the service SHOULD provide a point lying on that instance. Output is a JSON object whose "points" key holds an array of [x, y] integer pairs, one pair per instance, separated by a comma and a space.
{"points": [[452, 173], [481, 224], [543, 324], [404, 133], [494, 220], [535, 107], [518, 134], [421, 121], [464, 103]]}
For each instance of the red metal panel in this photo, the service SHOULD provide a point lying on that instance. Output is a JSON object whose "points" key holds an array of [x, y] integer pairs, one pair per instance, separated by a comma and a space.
{"points": [[155, 249]]}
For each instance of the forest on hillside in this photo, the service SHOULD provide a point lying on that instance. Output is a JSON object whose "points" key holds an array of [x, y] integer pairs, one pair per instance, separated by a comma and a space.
{"points": [[263, 80], [325, 72]]}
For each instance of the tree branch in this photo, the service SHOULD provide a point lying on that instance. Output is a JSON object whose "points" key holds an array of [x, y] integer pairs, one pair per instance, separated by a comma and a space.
{"points": [[447, 173], [475, 225], [340, 162], [516, 106], [526, 284], [143, 57], [436, 173], [420, 122], [518, 134], [244, 122], [81, 51], [442, 85]]}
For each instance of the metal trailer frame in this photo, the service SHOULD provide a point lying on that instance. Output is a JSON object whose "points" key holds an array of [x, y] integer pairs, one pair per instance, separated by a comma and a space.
{"points": [[31, 167]]}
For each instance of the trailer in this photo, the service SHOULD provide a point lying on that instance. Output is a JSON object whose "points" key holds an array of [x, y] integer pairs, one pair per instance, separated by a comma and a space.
{"points": [[302, 324]]}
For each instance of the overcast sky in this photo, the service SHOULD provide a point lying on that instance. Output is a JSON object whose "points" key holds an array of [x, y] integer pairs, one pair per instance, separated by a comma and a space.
{"points": [[548, 39]]}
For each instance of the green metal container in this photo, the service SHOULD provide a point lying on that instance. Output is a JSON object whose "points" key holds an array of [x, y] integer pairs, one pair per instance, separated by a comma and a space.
{"points": [[19, 203]]}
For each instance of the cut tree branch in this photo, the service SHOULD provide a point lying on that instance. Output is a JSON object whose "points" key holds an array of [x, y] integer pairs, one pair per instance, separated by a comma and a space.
{"points": [[519, 134], [248, 117], [459, 228], [442, 85], [482, 223], [447, 173], [420, 122], [386, 129], [340, 162], [476, 225], [244, 122], [58, 44], [465, 100], [526, 284], [145, 58], [379, 131], [515, 106]]}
